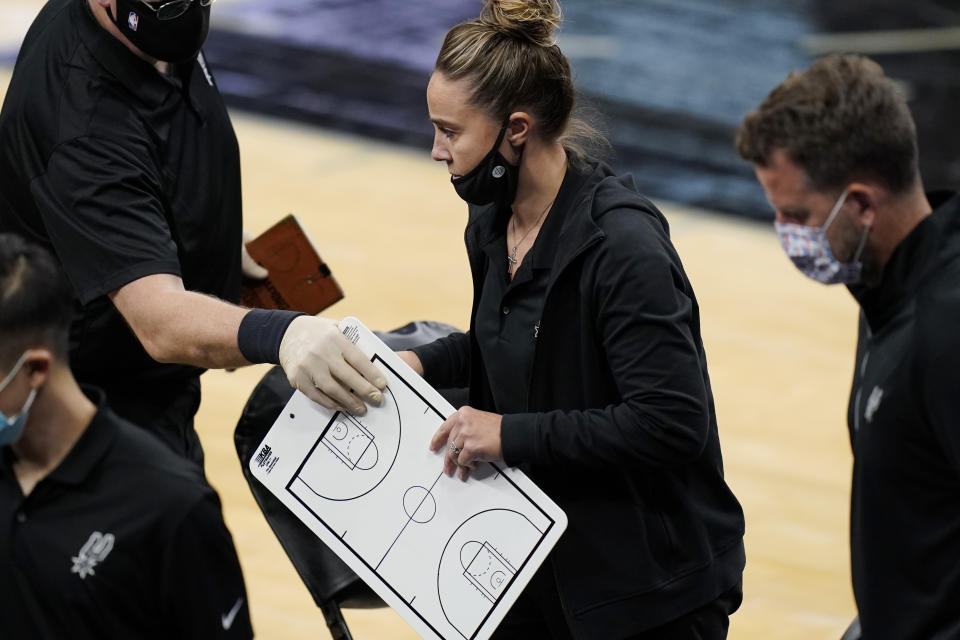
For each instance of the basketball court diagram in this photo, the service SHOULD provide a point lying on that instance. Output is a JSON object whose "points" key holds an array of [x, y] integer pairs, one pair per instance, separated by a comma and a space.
{"points": [[354, 455], [479, 562], [449, 556]]}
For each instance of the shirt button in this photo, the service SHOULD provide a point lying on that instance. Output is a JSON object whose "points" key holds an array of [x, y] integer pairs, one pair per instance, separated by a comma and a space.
{"points": [[21, 517], [506, 311]]}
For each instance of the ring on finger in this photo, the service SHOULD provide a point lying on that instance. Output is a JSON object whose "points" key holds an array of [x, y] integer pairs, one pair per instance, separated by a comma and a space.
{"points": [[454, 448]]}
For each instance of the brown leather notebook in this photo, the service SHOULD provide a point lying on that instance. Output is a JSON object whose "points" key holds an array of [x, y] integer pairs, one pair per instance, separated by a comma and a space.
{"points": [[299, 280]]}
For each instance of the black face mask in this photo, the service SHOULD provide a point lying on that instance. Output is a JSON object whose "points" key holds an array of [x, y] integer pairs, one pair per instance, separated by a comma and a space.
{"points": [[176, 40], [492, 180]]}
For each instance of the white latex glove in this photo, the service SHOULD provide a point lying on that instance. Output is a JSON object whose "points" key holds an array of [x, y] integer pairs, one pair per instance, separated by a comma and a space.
{"points": [[328, 368], [248, 265]]}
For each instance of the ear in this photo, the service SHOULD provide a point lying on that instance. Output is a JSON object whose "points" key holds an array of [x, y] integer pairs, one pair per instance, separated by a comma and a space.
{"points": [[867, 198], [38, 364], [518, 128]]}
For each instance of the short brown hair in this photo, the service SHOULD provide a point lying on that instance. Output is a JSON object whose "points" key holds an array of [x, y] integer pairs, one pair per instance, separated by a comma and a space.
{"points": [[839, 120], [512, 62]]}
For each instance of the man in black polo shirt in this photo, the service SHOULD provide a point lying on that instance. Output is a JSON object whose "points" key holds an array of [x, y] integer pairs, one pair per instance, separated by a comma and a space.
{"points": [[835, 149], [117, 154], [104, 532]]}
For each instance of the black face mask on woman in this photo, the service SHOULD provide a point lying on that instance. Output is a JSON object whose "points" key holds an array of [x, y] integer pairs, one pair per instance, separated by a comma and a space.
{"points": [[176, 40], [492, 180]]}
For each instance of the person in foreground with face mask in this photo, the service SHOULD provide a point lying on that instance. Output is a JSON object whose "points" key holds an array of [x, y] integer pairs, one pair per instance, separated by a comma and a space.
{"points": [[584, 360], [117, 154], [835, 149], [106, 532]]}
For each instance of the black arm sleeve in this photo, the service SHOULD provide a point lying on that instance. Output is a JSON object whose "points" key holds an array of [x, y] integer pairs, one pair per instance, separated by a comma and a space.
{"points": [[446, 361]]}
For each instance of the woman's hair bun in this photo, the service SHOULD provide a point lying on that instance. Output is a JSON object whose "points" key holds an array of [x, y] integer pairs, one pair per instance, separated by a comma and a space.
{"points": [[533, 20]]}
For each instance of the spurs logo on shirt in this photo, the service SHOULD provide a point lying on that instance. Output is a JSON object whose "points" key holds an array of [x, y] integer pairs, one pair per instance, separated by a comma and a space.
{"points": [[95, 551]]}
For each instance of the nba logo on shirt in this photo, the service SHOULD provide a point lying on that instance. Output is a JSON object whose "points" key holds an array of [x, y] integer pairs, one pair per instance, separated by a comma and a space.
{"points": [[132, 21]]}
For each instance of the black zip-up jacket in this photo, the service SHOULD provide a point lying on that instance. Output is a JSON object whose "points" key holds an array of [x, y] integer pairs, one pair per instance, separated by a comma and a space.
{"points": [[904, 420], [621, 430]]}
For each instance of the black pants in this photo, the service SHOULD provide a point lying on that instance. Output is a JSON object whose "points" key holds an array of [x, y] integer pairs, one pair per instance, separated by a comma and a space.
{"points": [[538, 614], [165, 411]]}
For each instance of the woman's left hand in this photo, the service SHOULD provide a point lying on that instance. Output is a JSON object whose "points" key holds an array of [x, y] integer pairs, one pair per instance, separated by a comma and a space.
{"points": [[469, 436]]}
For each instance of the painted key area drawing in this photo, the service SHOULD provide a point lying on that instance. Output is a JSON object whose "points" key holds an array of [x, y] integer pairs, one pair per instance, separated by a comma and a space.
{"points": [[449, 556]]}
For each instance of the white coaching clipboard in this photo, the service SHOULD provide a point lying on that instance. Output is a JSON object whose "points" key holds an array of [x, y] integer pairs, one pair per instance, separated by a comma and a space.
{"points": [[449, 556]]}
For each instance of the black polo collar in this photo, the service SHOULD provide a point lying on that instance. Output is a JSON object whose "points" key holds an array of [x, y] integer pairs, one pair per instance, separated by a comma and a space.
{"points": [[545, 252], [92, 446], [544, 249], [139, 77], [86, 454], [487, 223], [910, 262]]}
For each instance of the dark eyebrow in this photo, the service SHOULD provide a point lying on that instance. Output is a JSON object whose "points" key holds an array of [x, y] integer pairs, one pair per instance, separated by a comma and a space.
{"points": [[443, 124]]}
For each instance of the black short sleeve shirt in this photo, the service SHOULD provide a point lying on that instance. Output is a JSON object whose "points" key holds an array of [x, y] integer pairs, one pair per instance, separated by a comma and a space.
{"points": [[121, 172], [122, 540]]}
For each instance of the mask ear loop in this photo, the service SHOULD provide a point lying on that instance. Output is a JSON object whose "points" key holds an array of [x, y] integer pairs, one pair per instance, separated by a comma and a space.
{"points": [[501, 135], [836, 209], [862, 245], [866, 230], [29, 402], [6, 381], [14, 370]]}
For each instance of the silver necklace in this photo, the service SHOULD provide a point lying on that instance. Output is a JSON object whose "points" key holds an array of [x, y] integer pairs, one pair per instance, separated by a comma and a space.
{"points": [[512, 258]]}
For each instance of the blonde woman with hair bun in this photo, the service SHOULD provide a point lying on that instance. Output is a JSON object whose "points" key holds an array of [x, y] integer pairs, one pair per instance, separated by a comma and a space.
{"points": [[584, 360]]}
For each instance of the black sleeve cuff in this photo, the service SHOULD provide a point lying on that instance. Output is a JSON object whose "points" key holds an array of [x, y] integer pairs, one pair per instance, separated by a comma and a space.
{"points": [[518, 438], [446, 361], [430, 358], [261, 332]]}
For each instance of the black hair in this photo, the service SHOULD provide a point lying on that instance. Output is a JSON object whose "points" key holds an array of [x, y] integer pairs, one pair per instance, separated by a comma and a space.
{"points": [[36, 301]]}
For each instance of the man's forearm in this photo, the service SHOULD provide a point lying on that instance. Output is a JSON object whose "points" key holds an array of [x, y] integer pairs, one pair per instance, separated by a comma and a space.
{"points": [[179, 326], [202, 332], [185, 327]]}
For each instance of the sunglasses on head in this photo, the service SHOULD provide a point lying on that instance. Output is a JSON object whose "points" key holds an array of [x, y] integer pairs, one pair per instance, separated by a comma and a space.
{"points": [[174, 9]]}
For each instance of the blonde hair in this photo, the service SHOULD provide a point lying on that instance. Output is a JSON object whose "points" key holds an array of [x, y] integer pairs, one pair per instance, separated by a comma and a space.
{"points": [[511, 59]]}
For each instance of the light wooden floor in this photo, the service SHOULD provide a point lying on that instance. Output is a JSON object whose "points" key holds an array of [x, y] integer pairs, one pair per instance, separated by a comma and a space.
{"points": [[780, 349]]}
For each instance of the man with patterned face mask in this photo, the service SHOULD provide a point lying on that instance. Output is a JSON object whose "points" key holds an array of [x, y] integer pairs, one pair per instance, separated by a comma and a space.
{"points": [[105, 532], [835, 149], [118, 155]]}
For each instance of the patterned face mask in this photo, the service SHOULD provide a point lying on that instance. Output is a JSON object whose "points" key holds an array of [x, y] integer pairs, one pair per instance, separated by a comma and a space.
{"points": [[809, 250]]}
